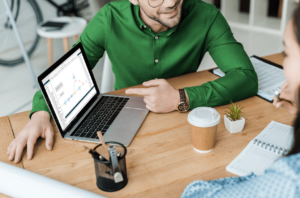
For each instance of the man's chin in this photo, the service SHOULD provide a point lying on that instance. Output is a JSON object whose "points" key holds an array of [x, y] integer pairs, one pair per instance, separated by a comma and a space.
{"points": [[172, 24]]}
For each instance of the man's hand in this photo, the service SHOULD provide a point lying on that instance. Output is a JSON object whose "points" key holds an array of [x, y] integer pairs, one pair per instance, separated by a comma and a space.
{"points": [[286, 95], [160, 97], [38, 126]]}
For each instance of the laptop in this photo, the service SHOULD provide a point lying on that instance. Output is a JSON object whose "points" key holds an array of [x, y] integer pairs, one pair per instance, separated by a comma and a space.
{"points": [[78, 108]]}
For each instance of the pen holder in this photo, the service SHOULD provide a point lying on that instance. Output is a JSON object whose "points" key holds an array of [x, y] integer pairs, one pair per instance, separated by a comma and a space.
{"points": [[103, 170]]}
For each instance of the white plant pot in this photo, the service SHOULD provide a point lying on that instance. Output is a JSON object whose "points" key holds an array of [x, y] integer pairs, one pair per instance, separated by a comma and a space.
{"points": [[234, 126]]}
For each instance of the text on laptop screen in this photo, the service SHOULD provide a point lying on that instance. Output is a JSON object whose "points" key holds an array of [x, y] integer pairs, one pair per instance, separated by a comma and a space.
{"points": [[69, 88]]}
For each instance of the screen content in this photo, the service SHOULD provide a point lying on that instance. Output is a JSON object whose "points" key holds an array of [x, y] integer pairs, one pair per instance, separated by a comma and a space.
{"points": [[69, 88]]}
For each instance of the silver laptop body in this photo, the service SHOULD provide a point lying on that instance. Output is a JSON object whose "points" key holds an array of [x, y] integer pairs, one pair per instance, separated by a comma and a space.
{"points": [[126, 124], [79, 109]]}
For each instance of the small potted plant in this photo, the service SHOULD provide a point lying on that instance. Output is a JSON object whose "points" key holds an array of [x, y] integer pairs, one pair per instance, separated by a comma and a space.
{"points": [[234, 121]]}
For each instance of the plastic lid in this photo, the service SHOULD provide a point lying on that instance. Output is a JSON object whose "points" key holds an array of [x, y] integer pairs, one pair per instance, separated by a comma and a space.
{"points": [[204, 117]]}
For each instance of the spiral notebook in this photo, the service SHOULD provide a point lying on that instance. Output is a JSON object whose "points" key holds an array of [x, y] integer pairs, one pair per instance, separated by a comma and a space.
{"points": [[271, 144], [270, 77]]}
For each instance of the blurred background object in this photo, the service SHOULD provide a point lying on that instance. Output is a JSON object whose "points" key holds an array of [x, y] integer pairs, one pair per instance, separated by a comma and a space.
{"points": [[27, 15], [267, 16]]}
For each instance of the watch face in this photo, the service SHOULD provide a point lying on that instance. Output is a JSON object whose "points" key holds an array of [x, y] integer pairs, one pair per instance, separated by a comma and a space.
{"points": [[183, 107]]}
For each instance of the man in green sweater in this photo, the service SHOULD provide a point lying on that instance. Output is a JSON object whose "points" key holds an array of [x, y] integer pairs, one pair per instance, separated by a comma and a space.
{"points": [[148, 41]]}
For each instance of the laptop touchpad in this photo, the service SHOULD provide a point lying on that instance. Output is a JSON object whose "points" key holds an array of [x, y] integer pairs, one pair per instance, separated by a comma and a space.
{"points": [[136, 102]]}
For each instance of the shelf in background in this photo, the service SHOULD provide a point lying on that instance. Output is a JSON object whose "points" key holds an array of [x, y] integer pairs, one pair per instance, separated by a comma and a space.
{"points": [[239, 18], [261, 18], [255, 16], [231, 11]]}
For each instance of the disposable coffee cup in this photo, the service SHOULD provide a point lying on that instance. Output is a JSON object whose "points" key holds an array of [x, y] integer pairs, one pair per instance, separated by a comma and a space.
{"points": [[204, 125]]}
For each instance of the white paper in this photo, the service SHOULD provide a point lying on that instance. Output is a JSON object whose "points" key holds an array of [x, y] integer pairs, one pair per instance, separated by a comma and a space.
{"points": [[21, 183], [270, 78], [274, 141]]}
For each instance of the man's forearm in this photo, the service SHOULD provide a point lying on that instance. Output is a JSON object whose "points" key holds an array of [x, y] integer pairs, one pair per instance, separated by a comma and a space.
{"points": [[236, 85]]}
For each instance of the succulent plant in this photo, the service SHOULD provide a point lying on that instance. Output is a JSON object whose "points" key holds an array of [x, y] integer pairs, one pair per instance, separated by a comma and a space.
{"points": [[235, 112]]}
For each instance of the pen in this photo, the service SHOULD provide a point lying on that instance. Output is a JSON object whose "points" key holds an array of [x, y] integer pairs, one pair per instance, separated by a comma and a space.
{"points": [[95, 154], [277, 94]]}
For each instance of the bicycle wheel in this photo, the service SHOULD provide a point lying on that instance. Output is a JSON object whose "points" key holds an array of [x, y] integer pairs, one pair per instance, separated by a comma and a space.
{"points": [[79, 8], [27, 16]]}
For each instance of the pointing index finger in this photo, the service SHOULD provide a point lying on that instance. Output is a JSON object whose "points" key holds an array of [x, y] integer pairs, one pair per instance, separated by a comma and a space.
{"points": [[139, 91]]}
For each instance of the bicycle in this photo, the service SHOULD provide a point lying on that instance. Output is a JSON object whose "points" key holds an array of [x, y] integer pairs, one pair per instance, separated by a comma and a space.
{"points": [[28, 15]]}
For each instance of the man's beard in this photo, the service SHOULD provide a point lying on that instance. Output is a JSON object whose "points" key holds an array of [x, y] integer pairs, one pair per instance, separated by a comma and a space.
{"points": [[170, 22]]}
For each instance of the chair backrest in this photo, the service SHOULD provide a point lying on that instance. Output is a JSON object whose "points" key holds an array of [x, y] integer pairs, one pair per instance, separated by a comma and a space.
{"points": [[108, 77], [95, 5]]}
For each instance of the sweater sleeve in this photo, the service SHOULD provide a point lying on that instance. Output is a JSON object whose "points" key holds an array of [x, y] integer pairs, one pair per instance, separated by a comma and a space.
{"points": [[240, 80]]}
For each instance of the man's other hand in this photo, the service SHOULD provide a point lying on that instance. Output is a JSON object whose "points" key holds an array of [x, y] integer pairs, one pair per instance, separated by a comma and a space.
{"points": [[287, 100], [38, 126], [160, 96]]}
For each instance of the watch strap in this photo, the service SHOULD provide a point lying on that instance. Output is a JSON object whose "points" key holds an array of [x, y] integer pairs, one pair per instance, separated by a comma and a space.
{"points": [[182, 95]]}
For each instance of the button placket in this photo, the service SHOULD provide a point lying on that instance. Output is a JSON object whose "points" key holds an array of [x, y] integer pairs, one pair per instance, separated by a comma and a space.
{"points": [[156, 60], [157, 55]]}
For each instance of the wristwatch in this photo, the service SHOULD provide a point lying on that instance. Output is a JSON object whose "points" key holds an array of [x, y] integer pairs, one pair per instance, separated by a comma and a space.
{"points": [[183, 105]]}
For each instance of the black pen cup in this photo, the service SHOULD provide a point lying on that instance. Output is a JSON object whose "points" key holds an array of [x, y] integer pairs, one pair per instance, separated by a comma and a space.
{"points": [[103, 170]]}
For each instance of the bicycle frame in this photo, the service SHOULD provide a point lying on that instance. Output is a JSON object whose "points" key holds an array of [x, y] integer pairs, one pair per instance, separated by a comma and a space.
{"points": [[20, 42], [7, 24], [67, 8]]}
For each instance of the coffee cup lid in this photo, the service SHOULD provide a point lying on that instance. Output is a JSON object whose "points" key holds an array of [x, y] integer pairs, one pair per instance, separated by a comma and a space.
{"points": [[204, 117]]}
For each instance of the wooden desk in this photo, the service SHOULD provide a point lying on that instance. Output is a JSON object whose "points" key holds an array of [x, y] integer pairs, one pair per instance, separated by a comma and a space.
{"points": [[161, 161]]}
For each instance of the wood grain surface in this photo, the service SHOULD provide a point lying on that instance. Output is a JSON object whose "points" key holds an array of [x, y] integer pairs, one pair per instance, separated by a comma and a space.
{"points": [[161, 161], [6, 138], [3, 196]]}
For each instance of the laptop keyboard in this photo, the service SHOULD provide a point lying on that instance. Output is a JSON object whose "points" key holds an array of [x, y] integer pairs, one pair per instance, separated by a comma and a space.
{"points": [[101, 117]]}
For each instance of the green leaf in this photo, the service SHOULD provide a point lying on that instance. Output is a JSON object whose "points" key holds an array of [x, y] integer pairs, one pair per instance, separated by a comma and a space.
{"points": [[235, 112]]}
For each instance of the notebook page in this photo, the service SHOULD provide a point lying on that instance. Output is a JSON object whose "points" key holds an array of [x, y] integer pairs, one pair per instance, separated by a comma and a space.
{"points": [[252, 159], [270, 78], [261, 152], [277, 134]]}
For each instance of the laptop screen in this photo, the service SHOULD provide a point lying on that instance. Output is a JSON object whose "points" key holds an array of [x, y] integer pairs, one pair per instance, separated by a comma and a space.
{"points": [[70, 88]]}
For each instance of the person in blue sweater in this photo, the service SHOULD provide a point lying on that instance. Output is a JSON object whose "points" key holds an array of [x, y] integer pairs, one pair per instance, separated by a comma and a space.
{"points": [[282, 179]]}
